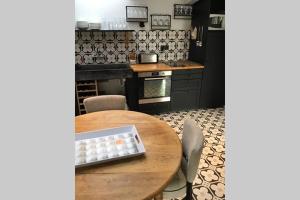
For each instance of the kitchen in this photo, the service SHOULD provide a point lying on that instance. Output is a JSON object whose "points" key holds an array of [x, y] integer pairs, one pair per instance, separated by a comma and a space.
{"points": [[168, 60]]}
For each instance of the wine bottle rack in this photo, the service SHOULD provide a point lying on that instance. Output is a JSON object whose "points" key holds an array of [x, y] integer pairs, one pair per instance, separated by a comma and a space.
{"points": [[85, 89]]}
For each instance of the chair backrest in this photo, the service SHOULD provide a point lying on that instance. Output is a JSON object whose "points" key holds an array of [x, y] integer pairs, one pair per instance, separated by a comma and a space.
{"points": [[192, 142], [105, 102]]}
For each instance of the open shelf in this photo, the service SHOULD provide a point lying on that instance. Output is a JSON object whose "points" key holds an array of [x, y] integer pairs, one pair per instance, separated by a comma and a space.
{"points": [[98, 30], [85, 89]]}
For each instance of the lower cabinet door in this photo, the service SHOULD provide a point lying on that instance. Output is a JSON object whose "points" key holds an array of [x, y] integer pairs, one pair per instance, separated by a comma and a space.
{"points": [[185, 99], [179, 100], [194, 97]]}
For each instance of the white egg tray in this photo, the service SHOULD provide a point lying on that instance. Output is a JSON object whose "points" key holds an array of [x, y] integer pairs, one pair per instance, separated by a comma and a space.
{"points": [[95, 147]]}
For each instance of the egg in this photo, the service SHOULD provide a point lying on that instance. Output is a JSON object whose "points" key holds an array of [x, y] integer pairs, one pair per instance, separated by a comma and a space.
{"points": [[130, 145], [120, 147], [131, 151], [126, 135], [111, 138], [108, 143], [122, 153], [80, 147], [101, 150], [91, 152], [79, 153], [100, 145], [129, 140], [91, 146], [100, 157], [91, 141], [80, 160], [111, 148], [112, 154], [100, 139], [104, 156], [80, 142], [91, 158]]}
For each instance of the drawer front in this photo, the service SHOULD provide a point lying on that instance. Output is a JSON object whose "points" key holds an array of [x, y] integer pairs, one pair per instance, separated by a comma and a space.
{"points": [[180, 84], [187, 71], [155, 108], [195, 83], [187, 74], [180, 76], [186, 84], [196, 76]]}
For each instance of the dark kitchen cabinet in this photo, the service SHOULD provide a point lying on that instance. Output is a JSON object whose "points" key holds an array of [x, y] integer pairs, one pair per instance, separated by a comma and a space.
{"points": [[200, 20], [186, 89], [211, 53], [155, 108], [213, 84], [132, 92], [217, 6], [179, 99]]}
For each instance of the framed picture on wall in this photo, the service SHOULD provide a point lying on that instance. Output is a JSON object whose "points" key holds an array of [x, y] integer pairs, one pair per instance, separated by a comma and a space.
{"points": [[136, 14], [160, 22], [183, 11]]}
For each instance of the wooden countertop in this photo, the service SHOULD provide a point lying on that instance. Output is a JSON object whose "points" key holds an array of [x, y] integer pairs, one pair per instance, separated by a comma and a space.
{"points": [[164, 67]]}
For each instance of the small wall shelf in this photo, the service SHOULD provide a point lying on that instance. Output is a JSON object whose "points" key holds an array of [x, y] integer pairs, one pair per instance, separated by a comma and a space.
{"points": [[96, 30]]}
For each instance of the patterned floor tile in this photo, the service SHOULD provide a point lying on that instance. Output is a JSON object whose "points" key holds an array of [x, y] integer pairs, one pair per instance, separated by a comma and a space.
{"points": [[209, 183]]}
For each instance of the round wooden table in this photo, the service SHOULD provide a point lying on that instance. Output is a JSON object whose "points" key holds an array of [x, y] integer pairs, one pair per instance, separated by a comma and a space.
{"points": [[136, 178]]}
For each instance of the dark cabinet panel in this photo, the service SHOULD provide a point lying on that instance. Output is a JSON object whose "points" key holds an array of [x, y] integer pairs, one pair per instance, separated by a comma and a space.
{"points": [[179, 100], [211, 53], [155, 108], [194, 98], [213, 84], [185, 99], [180, 84], [217, 6], [186, 89], [200, 19], [195, 83], [132, 92]]}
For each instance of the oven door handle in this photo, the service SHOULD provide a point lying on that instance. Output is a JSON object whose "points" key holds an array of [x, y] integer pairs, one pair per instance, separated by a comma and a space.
{"points": [[160, 78]]}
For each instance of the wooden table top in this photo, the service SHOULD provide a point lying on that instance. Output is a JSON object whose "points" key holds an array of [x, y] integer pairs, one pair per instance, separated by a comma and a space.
{"points": [[163, 67], [133, 178]]}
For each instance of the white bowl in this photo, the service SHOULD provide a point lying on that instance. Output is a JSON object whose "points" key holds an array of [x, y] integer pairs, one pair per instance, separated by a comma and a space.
{"points": [[82, 24], [95, 26]]}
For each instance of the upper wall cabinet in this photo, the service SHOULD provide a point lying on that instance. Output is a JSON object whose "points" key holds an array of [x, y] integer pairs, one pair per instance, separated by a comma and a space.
{"points": [[202, 11], [217, 7]]}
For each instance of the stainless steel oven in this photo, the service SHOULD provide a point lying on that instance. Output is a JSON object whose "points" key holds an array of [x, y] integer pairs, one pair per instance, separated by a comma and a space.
{"points": [[154, 87]]}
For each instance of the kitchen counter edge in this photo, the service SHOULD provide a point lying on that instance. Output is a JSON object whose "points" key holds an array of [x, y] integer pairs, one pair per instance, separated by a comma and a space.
{"points": [[162, 67]]}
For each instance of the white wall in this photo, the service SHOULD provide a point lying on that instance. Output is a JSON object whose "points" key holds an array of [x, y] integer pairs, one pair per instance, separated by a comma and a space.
{"points": [[98, 10]]}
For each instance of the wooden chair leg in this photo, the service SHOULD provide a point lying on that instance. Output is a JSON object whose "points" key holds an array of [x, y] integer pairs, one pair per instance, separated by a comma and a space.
{"points": [[189, 191]]}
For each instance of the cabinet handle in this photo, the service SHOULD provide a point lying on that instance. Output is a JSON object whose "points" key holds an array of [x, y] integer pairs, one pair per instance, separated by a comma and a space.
{"points": [[200, 37], [149, 79]]}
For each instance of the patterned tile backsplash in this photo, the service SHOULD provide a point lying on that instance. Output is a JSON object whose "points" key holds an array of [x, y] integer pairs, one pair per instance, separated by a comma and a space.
{"points": [[110, 47]]}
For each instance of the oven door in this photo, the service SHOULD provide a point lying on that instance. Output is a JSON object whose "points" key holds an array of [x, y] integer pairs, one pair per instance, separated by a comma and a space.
{"points": [[154, 89]]}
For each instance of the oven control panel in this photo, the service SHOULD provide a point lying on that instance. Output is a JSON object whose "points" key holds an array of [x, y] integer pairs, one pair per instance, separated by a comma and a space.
{"points": [[155, 74]]}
